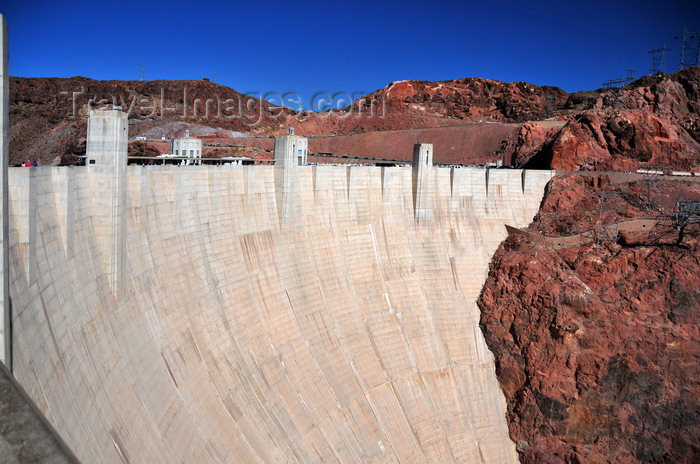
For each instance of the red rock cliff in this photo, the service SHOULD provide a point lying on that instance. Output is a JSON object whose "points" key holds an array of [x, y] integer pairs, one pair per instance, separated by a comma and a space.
{"points": [[477, 98], [655, 120], [597, 347]]}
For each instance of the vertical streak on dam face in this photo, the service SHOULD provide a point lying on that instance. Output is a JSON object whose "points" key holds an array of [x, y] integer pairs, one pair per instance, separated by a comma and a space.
{"points": [[5, 320], [347, 332]]}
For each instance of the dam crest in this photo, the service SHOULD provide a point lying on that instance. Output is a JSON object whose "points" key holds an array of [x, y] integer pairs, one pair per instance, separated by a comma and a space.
{"points": [[200, 325]]}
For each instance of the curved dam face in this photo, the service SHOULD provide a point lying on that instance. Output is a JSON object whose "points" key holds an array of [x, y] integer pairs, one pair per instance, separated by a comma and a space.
{"points": [[231, 314]]}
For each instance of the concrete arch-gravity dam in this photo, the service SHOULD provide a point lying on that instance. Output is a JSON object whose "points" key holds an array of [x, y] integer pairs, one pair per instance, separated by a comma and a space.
{"points": [[236, 314]]}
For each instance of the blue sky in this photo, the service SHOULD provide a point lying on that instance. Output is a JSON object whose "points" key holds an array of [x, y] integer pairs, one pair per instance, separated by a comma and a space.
{"points": [[350, 47]]}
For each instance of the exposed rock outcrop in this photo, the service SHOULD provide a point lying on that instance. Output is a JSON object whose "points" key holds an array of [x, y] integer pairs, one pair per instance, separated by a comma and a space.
{"points": [[597, 346], [532, 137], [655, 120], [477, 98]]}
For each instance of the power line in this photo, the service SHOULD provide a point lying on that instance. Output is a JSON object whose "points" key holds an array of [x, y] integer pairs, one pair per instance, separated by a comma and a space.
{"points": [[620, 81]]}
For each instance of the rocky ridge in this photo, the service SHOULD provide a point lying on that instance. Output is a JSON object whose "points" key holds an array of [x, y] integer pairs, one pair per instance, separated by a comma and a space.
{"points": [[479, 99], [654, 120]]}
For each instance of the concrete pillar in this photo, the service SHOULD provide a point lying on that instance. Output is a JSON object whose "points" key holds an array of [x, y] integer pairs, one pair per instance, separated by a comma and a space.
{"points": [[6, 320], [107, 138], [106, 157], [291, 151], [423, 181]]}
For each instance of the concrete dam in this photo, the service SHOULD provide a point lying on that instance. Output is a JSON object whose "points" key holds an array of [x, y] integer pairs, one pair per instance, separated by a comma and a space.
{"points": [[240, 314], [262, 314]]}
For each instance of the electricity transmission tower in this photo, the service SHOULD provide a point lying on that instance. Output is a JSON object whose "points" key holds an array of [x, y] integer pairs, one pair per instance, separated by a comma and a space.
{"points": [[142, 70], [690, 49], [609, 201], [658, 56]]}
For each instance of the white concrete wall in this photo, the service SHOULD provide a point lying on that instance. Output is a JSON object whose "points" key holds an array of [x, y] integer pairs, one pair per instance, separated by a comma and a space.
{"points": [[107, 138], [348, 333], [291, 150]]}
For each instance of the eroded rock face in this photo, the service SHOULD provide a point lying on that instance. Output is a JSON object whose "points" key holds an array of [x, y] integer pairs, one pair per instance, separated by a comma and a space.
{"points": [[476, 98], [531, 140], [597, 347], [655, 120]]}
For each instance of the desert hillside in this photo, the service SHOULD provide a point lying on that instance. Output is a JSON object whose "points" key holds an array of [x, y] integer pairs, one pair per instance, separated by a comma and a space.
{"points": [[472, 120], [655, 120], [480, 99]]}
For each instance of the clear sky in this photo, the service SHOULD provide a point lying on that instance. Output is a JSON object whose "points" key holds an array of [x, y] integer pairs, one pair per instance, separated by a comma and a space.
{"points": [[351, 47]]}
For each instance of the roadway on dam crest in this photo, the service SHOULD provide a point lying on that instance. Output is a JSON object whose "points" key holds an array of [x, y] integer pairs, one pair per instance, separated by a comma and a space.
{"points": [[212, 320]]}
